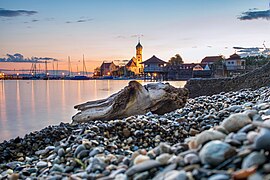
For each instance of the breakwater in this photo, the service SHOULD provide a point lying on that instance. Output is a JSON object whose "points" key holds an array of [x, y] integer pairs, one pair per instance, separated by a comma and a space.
{"points": [[255, 79]]}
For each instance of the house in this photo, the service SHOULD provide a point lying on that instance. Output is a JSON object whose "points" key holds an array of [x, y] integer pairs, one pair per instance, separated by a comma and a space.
{"points": [[106, 68], [186, 71], [131, 65], [235, 62], [154, 68], [216, 64]]}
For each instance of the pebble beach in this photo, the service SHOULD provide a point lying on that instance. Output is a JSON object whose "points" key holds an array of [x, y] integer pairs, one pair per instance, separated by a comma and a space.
{"points": [[223, 136]]}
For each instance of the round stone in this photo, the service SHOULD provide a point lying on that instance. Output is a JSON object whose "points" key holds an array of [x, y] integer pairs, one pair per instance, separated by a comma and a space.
{"points": [[42, 164], [215, 152], [83, 153], [176, 175], [141, 158], [266, 168], [219, 177], [163, 158], [126, 132], [235, 122], [240, 136], [79, 149], [262, 139], [61, 152], [208, 135], [255, 158], [191, 158], [251, 136]]}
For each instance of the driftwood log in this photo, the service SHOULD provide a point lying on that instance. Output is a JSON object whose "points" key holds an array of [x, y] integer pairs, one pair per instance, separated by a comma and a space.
{"points": [[134, 99]]}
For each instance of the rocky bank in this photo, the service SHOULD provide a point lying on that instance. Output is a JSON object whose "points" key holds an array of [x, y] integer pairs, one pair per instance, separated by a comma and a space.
{"points": [[205, 87], [224, 136]]}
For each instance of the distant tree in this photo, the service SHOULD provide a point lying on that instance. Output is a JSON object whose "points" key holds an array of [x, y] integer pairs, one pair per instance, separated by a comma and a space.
{"points": [[256, 60], [176, 60]]}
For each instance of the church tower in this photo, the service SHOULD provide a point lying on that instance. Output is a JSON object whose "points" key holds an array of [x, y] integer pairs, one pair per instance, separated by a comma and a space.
{"points": [[139, 57]]}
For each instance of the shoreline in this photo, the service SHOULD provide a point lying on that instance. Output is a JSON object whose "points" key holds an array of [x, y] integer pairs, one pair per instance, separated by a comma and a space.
{"points": [[145, 146]]}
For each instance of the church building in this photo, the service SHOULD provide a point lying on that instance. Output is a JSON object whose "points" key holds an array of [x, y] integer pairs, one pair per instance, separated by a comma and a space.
{"points": [[135, 63]]}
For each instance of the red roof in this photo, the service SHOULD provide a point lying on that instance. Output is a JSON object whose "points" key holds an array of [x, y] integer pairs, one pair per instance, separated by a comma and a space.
{"points": [[234, 56], [154, 60], [211, 59]]}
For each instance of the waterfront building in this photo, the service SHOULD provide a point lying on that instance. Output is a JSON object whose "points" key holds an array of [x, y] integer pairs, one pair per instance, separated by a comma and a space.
{"points": [[216, 64], [235, 65], [186, 71], [154, 68], [235, 62], [107, 68]]}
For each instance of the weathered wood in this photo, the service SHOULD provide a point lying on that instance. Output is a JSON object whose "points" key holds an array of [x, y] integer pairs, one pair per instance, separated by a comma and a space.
{"points": [[134, 99]]}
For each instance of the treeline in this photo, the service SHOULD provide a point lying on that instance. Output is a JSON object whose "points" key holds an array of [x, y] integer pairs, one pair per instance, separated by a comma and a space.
{"points": [[256, 60]]}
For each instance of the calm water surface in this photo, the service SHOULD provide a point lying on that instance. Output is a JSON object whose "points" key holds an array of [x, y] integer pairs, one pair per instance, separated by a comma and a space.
{"points": [[27, 106]]}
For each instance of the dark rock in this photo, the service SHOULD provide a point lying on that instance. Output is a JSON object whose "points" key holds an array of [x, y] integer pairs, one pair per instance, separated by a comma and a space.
{"points": [[215, 152], [79, 149], [255, 158]]}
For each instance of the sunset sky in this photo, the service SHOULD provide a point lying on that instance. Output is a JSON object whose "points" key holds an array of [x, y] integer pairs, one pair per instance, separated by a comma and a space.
{"points": [[108, 29]]}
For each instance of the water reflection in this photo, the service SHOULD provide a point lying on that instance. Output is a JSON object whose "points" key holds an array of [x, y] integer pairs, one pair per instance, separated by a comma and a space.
{"points": [[3, 112], [18, 97], [108, 87], [27, 106]]}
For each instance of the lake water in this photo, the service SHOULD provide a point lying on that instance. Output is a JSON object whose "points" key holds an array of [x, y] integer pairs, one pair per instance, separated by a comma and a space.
{"points": [[29, 105]]}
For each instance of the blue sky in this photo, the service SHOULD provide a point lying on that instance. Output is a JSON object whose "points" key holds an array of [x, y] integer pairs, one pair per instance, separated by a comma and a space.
{"points": [[107, 29]]}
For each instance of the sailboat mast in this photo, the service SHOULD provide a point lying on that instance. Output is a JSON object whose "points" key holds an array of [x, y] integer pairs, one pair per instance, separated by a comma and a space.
{"points": [[69, 67], [84, 66]]}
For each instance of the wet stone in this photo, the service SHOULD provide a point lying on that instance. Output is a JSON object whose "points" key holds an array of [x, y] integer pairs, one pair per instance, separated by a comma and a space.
{"points": [[266, 168], [141, 176], [191, 158], [164, 158], [83, 153], [61, 152], [126, 132], [215, 152], [176, 175], [240, 136], [141, 158], [144, 166], [235, 122], [262, 139], [219, 177], [57, 168], [255, 158], [42, 164]]}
